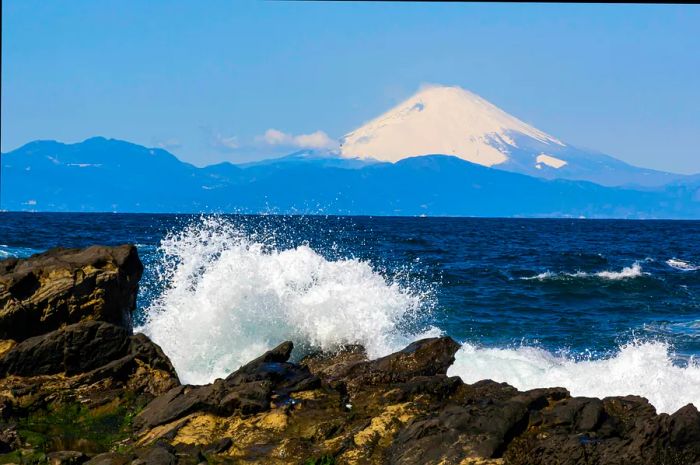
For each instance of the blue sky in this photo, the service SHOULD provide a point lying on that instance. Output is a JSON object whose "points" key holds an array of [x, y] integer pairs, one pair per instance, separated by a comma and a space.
{"points": [[207, 80]]}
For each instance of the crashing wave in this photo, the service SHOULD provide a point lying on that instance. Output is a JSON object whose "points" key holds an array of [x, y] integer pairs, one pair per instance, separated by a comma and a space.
{"points": [[640, 368], [227, 298]]}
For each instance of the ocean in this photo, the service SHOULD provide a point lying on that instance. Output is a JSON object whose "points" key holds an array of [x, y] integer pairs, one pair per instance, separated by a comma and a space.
{"points": [[601, 307]]}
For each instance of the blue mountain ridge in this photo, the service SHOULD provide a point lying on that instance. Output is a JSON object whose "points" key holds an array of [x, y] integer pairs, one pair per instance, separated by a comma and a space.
{"points": [[100, 174]]}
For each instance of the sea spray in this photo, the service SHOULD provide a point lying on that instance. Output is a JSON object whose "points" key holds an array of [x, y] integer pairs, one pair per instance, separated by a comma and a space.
{"points": [[228, 296], [643, 368]]}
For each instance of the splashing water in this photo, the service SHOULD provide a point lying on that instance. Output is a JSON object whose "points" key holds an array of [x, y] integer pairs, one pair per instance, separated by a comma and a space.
{"points": [[228, 297], [641, 368]]}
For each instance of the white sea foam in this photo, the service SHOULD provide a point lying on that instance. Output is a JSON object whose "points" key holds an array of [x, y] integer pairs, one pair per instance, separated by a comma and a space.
{"points": [[628, 272], [682, 265], [15, 252], [640, 368], [228, 297]]}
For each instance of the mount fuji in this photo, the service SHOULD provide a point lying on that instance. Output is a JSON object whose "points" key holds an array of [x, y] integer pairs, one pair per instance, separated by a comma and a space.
{"points": [[442, 152], [453, 121]]}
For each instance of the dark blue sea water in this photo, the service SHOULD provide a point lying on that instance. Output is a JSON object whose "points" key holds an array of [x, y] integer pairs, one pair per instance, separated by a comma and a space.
{"points": [[533, 300]]}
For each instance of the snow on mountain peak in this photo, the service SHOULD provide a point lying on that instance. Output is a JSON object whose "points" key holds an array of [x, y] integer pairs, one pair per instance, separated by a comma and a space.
{"points": [[442, 120]]}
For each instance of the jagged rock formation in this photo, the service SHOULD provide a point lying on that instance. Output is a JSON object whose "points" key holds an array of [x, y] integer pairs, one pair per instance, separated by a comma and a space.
{"points": [[64, 286], [91, 392], [78, 373]]}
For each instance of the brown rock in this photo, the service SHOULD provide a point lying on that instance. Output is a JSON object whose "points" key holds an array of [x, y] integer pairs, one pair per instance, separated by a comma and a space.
{"points": [[66, 457], [160, 454], [90, 361], [6, 345], [63, 286], [110, 458], [9, 440]]}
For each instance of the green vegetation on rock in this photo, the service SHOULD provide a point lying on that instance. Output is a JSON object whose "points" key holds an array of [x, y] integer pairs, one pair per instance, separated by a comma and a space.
{"points": [[325, 460], [75, 427]]}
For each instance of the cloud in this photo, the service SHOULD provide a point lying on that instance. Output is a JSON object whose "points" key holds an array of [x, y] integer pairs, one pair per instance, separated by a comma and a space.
{"points": [[221, 142], [226, 143], [315, 140], [275, 137], [168, 144]]}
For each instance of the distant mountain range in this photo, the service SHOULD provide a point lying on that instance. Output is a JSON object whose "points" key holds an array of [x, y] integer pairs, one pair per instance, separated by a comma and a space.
{"points": [[444, 151], [111, 175]]}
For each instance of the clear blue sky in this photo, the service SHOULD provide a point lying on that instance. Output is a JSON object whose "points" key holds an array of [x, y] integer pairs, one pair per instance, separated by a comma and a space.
{"points": [[208, 79]]}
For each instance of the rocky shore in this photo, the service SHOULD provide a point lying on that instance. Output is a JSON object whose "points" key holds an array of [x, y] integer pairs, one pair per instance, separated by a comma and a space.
{"points": [[77, 386]]}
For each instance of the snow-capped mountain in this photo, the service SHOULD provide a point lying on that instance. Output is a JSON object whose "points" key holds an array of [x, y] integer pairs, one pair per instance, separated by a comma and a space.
{"points": [[453, 121]]}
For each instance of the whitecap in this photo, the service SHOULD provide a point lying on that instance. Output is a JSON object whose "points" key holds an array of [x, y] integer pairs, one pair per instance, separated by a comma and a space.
{"points": [[682, 265], [639, 368], [628, 272]]}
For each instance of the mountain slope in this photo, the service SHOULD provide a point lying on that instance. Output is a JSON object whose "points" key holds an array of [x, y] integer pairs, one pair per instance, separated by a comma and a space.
{"points": [[110, 175], [453, 121]]}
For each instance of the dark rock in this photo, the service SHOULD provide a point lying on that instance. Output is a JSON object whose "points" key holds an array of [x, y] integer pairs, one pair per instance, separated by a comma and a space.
{"points": [[247, 398], [615, 431], [64, 286], [90, 363], [9, 440], [333, 368], [145, 367], [97, 349], [480, 421], [67, 457], [279, 354], [219, 446], [110, 458], [160, 454], [179, 402], [439, 387], [426, 357], [73, 349], [248, 390], [272, 367], [6, 409], [684, 428]]}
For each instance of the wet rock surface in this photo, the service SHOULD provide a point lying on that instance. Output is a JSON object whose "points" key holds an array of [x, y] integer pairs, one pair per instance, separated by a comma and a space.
{"points": [[91, 392]]}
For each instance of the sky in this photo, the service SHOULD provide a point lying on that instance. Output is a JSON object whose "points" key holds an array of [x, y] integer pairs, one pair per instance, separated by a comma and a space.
{"points": [[242, 80]]}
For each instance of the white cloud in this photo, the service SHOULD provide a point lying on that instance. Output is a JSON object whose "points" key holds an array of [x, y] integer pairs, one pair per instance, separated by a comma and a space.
{"points": [[275, 137], [168, 144], [225, 142], [315, 140], [220, 141]]}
